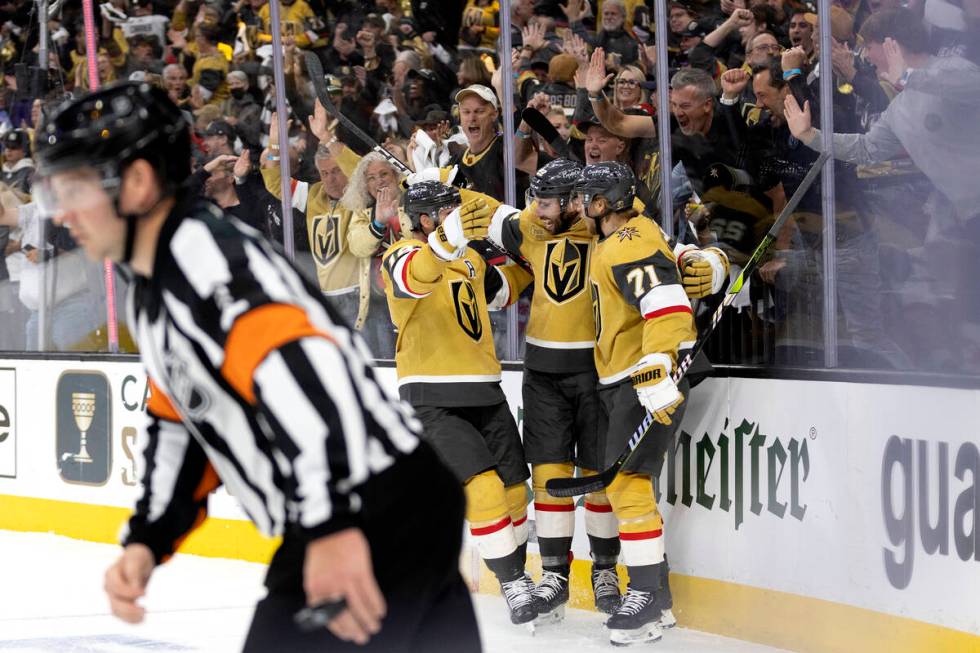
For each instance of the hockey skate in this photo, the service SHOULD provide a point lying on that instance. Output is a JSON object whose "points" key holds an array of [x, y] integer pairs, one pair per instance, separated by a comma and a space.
{"points": [[605, 588], [520, 602], [550, 597], [636, 621]]}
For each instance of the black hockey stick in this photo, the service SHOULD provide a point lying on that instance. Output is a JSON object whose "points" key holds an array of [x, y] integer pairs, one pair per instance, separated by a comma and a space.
{"points": [[570, 487], [539, 123], [315, 70]]}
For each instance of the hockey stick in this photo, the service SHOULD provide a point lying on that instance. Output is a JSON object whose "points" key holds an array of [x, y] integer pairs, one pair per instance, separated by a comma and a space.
{"points": [[539, 123], [570, 487], [315, 70]]}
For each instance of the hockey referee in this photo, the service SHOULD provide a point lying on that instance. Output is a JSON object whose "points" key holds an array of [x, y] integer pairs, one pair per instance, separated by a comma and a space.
{"points": [[257, 384]]}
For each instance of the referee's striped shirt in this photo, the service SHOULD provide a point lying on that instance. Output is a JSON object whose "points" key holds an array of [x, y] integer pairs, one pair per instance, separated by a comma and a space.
{"points": [[256, 383]]}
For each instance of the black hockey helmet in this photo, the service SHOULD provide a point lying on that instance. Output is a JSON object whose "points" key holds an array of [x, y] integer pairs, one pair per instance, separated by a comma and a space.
{"points": [[105, 131], [556, 179], [114, 126], [428, 197], [612, 180]]}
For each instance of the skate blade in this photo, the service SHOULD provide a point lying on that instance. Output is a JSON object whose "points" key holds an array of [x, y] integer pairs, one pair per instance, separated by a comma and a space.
{"points": [[551, 618], [531, 627], [648, 633], [667, 619]]}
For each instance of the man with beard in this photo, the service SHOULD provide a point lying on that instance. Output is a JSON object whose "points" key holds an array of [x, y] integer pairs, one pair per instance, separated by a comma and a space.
{"points": [[559, 384]]}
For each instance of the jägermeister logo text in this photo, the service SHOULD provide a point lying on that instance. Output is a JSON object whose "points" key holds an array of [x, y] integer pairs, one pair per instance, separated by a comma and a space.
{"points": [[719, 471]]}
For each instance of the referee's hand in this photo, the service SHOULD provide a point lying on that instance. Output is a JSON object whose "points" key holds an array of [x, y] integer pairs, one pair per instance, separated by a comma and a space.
{"points": [[338, 566], [125, 582]]}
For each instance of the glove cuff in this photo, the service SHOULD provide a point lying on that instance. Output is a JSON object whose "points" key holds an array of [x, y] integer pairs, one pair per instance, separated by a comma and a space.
{"points": [[441, 247], [657, 394], [719, 267], [680, 250]]}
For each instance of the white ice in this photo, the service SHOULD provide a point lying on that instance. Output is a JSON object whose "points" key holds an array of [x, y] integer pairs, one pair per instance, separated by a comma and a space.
{"points": [[51, 600]]}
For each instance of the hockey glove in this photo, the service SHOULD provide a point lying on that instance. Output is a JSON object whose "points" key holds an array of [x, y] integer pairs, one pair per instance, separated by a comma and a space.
{"points": [[654, 387], [469, 222], [703, 271]]}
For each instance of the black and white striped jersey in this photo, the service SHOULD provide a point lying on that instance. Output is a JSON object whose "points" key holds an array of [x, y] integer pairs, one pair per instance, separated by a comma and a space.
{"points": [[257, 383]]}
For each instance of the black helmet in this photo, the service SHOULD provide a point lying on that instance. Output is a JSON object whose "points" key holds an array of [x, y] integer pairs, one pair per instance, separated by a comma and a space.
{"points": [[556, 179], [612, 180], [115, 125], [428, 197]]}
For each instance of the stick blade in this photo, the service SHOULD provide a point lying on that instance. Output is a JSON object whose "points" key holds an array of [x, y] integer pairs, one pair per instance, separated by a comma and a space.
{"points": [[571, 487]]}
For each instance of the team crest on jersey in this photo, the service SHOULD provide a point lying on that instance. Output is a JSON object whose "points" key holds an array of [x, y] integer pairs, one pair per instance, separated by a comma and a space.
{"points": [[326, 238], [565, 269], [467, 308], [596, 310], [627, 233]]}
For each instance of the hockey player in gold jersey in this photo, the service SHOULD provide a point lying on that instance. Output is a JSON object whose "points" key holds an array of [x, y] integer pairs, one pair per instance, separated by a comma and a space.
{"points": [[561, 406], [439, 292], [643, 319]]}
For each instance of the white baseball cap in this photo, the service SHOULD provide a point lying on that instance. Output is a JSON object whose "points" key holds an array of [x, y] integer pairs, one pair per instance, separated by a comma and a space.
{"points": [[484, 92]]}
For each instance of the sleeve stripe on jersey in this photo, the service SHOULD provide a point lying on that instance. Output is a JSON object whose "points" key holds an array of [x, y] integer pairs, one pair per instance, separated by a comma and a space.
{"points": [[399, 274], [664, 299], [502, 298], [159, 404], [667, 311], [254, 335]]}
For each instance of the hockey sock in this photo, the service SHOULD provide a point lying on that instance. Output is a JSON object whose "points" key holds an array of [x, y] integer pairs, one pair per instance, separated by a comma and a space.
{"points": [[554, 517], [491, 527], [603, 529], [640, 523], [517, 499]]}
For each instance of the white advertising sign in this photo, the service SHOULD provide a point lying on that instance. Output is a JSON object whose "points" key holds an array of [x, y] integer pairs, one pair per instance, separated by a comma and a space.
{"points": [[8, 423]]}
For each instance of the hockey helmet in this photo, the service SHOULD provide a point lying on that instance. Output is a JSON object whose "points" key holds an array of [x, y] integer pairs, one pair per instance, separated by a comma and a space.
{"points": [[113, 126], [612, 180], [556, 179], [104, 131], [428, 197]]}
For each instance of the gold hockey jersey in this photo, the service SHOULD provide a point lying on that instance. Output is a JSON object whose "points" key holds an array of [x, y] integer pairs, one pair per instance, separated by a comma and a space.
{"points": [[327, 224], [638, 303], [444, 353], [560, 333]]}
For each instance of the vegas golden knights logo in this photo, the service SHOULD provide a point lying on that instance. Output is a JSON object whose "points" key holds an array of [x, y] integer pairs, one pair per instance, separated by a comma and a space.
{"points": [[596, 310], [565, 270], [467, 308], [326, 239]]}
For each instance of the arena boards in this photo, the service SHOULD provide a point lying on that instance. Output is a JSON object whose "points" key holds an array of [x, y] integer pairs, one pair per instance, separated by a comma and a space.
{"points": [[811, 516]]}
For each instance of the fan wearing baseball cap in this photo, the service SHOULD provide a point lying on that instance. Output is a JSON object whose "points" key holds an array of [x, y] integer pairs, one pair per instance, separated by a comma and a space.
{"points": [[483, 160]]}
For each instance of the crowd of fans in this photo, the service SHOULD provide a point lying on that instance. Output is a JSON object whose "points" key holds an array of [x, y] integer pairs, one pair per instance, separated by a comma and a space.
{"points": [[423, 78]]}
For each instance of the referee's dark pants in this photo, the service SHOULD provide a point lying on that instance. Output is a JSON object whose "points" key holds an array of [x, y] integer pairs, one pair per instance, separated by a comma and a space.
{"points": [[413, 520]]}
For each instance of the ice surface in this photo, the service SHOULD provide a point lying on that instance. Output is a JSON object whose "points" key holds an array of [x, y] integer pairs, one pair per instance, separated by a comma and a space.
{"points": [[51, 600]]}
